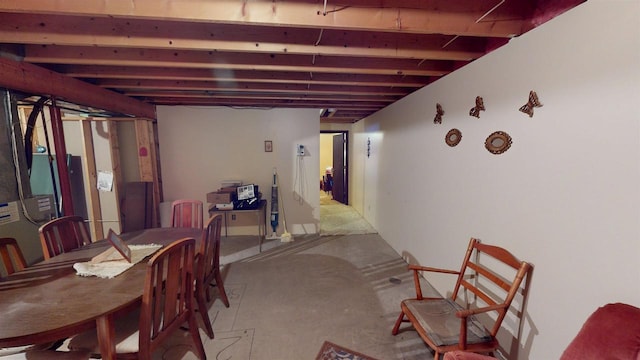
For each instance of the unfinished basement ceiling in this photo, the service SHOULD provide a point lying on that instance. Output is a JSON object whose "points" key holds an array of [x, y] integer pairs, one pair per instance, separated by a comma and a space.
{"points": [[348, 57]]}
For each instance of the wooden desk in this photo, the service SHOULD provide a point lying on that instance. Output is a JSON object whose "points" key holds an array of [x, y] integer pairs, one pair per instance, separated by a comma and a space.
{"points": [[261, 216], [48, 301]]}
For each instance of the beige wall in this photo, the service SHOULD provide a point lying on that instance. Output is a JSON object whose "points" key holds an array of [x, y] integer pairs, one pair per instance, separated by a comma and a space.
{"points": [[564, 197], [202, 146]]}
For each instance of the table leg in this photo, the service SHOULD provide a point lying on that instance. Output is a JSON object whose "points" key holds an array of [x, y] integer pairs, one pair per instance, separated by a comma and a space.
{"points": [[106, 334], [259, 231], [262, 224], [226, 230]]}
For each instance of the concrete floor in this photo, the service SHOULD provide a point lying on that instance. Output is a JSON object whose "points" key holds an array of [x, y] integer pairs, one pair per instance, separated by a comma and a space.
{"points": [[291, 297], [344, 286], [285, 302]]}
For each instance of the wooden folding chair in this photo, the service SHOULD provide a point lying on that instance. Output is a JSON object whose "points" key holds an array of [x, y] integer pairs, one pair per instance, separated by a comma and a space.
{"points": [[448, 324]]}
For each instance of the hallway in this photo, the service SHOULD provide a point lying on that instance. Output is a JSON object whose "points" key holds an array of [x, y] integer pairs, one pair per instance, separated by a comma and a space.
{"points": [[340, 219]]}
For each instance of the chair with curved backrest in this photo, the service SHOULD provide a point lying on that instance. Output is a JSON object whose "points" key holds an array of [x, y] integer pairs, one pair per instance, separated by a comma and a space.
{"points": [[208, 269], [14, 261], [62, 235], [488, 281], [11, 255], [167, 303], [186, 213]]}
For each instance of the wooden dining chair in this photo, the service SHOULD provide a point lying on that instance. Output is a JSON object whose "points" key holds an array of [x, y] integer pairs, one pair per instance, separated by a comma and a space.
{"points": [[186, 213], [487, 283], [62, 235], [167, 303], [208, 270], [14, 261], [37, 352], [11, 256]]}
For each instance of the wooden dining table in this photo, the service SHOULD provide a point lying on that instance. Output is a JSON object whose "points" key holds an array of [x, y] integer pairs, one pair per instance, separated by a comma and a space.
{"points": [[48, 301]]}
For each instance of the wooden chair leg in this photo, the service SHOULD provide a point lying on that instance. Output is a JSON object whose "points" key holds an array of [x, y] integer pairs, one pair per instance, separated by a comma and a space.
{"points": [[204, 312], [396, 327], [223, 293], [195, 334]]}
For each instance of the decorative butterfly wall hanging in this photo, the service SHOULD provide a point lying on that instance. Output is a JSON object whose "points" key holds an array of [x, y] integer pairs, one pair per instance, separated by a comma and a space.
{"points": [[475, 111], [439, 113], [532, 103]]}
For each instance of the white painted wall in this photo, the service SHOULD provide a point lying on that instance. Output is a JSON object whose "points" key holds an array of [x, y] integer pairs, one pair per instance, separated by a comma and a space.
{"points": [[565, 196], [202, 146]]}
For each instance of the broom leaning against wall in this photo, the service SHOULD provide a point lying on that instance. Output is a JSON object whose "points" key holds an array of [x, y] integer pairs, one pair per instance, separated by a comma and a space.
{"points": [[274, 207]]}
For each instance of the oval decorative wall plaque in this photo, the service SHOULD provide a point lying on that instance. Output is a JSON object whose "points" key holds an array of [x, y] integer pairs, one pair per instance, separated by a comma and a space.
{"points": [[453, 137], [498, 142]]}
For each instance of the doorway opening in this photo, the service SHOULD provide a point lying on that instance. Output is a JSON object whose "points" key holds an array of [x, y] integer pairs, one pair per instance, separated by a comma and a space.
{"points": [[337, 217], [334, 165]]}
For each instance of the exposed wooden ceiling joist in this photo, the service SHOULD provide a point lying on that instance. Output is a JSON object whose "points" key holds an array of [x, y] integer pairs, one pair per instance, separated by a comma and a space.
{"points": [[419, 17], [355, 56]]}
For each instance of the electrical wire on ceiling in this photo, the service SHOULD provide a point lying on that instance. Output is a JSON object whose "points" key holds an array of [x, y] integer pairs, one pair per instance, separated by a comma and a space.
{"points": [[319, 38], [324, 13], [477, 21]]}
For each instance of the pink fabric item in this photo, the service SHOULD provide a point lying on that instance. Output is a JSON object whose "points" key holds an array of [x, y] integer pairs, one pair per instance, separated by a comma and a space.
{"points": [[461, 355], [612, 332]]}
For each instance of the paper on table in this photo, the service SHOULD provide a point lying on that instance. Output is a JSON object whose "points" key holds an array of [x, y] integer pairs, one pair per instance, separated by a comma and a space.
{"points": [[115, 264]]}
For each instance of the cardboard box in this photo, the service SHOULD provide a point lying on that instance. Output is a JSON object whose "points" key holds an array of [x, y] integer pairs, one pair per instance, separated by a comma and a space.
{"points": [[219, 197]]}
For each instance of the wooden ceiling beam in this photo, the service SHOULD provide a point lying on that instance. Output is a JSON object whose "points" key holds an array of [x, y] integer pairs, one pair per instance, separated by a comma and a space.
{"points": [[226, 75], [216, 60], [293, 96], [339, 119], [108, 32], [432, 17], [267, 103], [36, 80], [122, 85]]}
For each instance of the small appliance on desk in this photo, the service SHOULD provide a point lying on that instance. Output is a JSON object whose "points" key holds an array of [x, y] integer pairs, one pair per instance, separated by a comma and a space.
{"points": [[247, 197]]}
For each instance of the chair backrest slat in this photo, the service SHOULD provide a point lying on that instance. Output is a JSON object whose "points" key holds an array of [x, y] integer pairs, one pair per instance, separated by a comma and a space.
{"points": [[62, 235], [168, 294], [491, 284], [186, 213], [209, 252], [11, 255]]}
